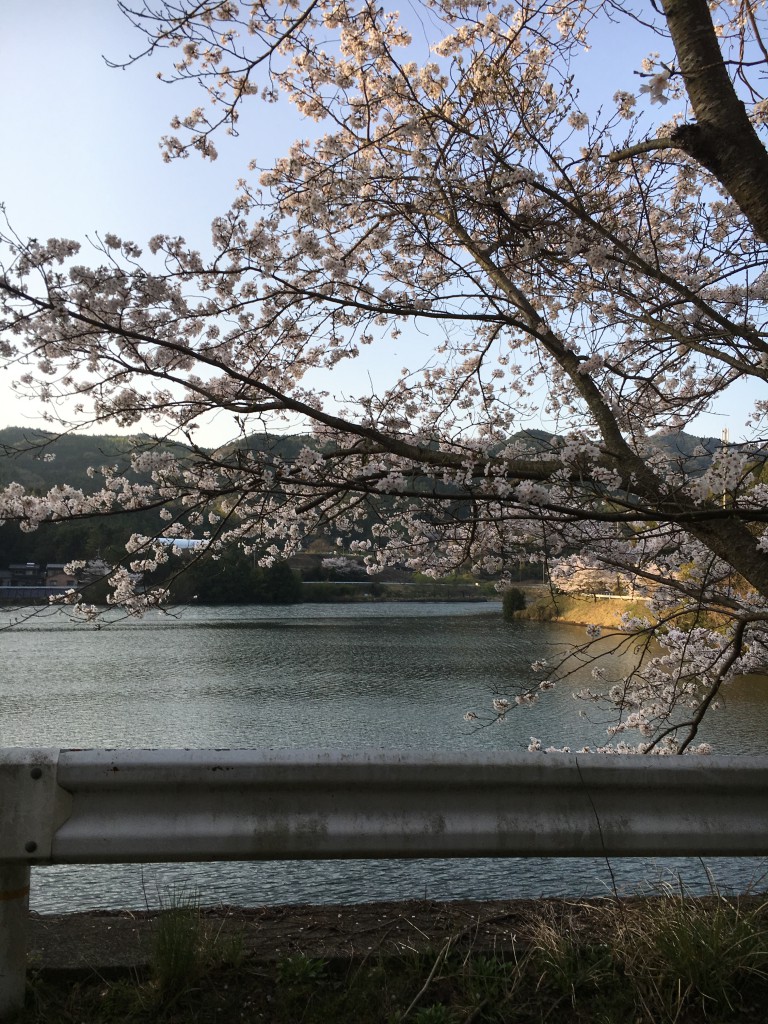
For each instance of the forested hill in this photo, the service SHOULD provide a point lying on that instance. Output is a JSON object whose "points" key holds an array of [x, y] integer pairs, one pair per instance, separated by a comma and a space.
{"points": [[675, 444], [25, 458], [25, 455]]}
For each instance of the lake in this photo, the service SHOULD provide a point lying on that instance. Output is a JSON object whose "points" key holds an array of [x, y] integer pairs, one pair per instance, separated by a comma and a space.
{"points": [[396, 676]]}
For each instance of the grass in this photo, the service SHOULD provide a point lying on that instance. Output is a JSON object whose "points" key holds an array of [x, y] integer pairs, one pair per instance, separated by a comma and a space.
{"points": [[669, 960], [178, 944], [705, 954], [582, 610]]}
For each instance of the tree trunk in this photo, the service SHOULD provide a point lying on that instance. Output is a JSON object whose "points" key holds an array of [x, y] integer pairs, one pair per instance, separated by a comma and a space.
{"points": [[737, 546], [723, 139]]}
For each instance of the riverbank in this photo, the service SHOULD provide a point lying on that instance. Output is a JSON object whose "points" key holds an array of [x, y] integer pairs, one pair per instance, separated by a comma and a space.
{"points": [[544, 606], [373, 591], [493, 962], [312, 592], [99, 941]]}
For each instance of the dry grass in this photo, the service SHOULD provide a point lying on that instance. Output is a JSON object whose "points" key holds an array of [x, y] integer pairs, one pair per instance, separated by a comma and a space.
{"points": [[670, 960]]}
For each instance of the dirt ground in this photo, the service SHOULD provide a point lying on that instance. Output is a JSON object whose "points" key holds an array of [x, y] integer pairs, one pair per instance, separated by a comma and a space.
{"points": [[101, 941]]}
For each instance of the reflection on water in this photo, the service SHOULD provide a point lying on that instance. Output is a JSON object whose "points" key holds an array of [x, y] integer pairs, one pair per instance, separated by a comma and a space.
{"points": [[249, 884], [396, 676]]}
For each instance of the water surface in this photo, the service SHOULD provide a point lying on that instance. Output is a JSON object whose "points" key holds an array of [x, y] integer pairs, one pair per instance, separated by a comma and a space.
{"points": [[393, 676]]}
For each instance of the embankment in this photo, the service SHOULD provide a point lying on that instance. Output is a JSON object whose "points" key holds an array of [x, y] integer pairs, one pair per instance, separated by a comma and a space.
{"points": [[582, 610]]}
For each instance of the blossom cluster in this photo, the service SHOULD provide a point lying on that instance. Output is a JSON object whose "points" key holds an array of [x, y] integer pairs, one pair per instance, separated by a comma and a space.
{"points": [[535, 259]]}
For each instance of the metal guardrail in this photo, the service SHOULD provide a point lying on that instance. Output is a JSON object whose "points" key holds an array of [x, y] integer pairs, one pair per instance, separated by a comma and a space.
{"points": [[108, 806]]}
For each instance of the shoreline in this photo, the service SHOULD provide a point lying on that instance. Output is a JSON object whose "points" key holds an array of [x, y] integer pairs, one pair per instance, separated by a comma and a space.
{"points": [[96, 940], [673, 956], [118, 941], [581, 611]]}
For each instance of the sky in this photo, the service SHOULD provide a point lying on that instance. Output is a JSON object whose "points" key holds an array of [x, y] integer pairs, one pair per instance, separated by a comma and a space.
{"points": [[81, 140], [81, 150]]}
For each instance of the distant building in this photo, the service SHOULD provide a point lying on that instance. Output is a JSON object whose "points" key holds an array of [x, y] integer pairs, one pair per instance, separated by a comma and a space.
{"points": [[55, 576], [26, 574]]}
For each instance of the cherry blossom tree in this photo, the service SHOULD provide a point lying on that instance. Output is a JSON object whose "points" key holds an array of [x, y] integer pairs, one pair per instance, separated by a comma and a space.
{"points": [[538, 253], [579, 574]]}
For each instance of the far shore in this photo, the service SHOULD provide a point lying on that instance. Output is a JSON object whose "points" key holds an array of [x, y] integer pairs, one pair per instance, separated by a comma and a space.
{"points": [[582, 610]]}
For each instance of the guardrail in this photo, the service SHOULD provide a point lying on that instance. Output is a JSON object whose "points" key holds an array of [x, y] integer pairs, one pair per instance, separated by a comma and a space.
{"points": [[110, 806]]}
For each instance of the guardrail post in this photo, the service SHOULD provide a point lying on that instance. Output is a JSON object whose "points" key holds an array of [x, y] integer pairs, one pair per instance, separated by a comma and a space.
{"points": [[32, 806], [14, 902]]}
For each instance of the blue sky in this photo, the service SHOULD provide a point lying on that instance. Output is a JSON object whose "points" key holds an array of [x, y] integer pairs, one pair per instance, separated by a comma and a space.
{"points": [[81, 140], [81, 147]]}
